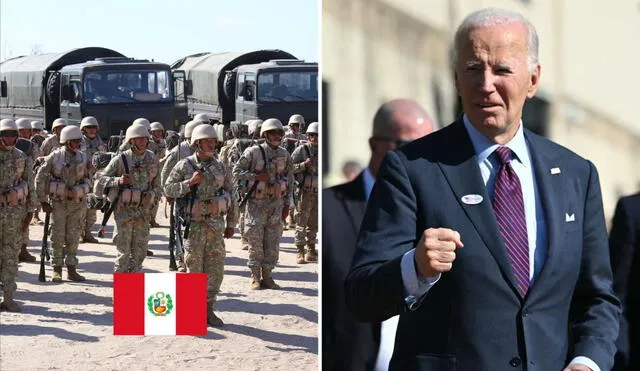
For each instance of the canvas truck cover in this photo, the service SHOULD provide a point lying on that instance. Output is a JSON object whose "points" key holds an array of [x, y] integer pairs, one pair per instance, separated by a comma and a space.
{"points": [[27, 76], [207, 71]]}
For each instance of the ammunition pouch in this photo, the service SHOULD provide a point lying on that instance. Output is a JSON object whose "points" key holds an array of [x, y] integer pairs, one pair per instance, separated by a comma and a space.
{"points": [[205, 209], [14, 196]]}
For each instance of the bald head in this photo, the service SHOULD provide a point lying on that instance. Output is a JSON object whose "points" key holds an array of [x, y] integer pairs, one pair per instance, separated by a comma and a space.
{"points": [[401, 119]]}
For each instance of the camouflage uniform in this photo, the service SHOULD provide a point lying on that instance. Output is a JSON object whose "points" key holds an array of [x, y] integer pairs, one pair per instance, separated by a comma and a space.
{"points": [[14, 175], [160, 152], [306, 215], [264, 208], [50, 144], [90, 147], [33, 152], [172, 158], [288, 143], [132, 218], [205, 245], [63, 182], [232, 156]]}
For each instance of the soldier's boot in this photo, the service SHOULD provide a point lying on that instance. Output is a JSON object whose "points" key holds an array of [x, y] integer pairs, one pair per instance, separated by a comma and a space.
{"points": [[182, 267], [292, 221], [25, 256], [154, 224], [255, 278], [57, 274], [245, 247], [300, 255], [212, 319], [73, 275], [88, 237], [268, 282], [149, 252], [8, 303], [312, 255]]}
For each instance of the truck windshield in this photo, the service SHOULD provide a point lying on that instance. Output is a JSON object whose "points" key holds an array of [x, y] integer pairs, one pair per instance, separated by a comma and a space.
{"points": [[125, 86], [289, 86]]}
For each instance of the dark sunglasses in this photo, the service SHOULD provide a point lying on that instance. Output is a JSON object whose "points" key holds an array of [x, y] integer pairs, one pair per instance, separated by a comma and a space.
{"points": [[399, 143], [9, 134], [74, 140]]}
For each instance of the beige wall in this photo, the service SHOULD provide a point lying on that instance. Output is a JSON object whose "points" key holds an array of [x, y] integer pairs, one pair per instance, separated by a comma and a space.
{"points": [[382, 49]]}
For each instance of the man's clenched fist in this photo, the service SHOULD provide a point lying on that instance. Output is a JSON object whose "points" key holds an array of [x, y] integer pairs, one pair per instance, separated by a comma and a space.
{"points": [[436, 251]]}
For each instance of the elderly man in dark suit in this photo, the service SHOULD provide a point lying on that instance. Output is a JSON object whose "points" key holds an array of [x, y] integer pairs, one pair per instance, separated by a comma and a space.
{"points": [[624, 245], [346, 344], [488, 240]]}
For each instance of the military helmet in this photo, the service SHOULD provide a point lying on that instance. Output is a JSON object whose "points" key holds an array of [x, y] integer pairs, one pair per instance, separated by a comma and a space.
{"points": [[188, 128], [313, 128], [8, 124], [271, 124], [142, 121], [136, 131], [58, 122], [156, 126], [37, 125], [203, 117], [69, 133], [203, 132], [296, 119], [23, 123], [88, 121]]}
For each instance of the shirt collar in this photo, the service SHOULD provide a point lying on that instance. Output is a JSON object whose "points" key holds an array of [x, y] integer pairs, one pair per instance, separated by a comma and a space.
{"points": [[368, 180], [483, 147]]}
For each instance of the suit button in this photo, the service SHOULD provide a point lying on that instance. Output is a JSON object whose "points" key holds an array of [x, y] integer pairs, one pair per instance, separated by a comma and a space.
{"points": [[515, 362], [525, 313]]}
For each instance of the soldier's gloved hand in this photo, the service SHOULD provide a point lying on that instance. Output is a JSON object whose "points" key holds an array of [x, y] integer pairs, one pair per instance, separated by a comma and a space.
{"points": [[285, 213], [26, 221], [196, 178], [46, 207], [228, 232], [125, 179], [262, 177]]}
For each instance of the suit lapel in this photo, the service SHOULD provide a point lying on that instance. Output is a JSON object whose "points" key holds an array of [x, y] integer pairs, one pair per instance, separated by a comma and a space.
{"points": [[550, 190], [461, 169]]}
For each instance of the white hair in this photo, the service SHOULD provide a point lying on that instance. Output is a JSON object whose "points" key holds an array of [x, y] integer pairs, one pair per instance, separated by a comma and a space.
{"points": [[494, 17]]}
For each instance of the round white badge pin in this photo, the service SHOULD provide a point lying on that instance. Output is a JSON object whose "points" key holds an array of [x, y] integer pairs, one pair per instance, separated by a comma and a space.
{"points": [[472, 199]]}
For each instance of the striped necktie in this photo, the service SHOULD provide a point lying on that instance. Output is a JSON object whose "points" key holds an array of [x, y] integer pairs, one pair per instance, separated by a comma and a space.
{"points": [[508, 207]]}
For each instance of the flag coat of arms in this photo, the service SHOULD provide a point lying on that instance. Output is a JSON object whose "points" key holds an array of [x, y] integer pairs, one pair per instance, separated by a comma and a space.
{"points": [[159, 304]]}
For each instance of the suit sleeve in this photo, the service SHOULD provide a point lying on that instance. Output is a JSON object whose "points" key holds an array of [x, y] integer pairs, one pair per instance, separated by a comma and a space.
{"points": [[621, 242], [374, 289], [595, 310]]}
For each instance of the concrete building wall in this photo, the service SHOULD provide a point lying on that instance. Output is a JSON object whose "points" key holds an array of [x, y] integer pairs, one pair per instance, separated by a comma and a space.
{"points": [[382, 49]]}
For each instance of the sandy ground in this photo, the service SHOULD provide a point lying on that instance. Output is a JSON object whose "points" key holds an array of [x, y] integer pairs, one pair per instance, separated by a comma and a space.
{"points": [[68, 326]]}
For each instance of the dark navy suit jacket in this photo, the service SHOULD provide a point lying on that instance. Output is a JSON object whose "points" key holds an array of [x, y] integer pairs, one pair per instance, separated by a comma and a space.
{"points": [[624, 242], [474, 318]]}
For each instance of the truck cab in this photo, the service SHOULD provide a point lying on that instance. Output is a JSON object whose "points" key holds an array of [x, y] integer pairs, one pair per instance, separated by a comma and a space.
{"points": [[117, 91], [278, 88]]}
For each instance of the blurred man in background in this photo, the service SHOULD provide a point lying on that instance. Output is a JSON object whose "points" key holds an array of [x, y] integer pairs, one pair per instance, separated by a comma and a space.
{"points": [[347, 344]]}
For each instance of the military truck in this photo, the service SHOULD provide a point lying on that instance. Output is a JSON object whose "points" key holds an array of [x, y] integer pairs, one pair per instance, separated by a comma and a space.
{"points": [[90, 81], [260, 84]]}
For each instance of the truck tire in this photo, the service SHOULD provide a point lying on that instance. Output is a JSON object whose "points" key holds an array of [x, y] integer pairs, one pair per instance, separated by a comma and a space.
{"points": [[53, 87], [230, 86]]}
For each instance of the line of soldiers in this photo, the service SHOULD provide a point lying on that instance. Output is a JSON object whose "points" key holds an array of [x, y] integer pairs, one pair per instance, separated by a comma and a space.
{"points": [[253, 177]]}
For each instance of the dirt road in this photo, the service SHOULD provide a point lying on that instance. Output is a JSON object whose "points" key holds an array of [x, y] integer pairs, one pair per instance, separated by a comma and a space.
{"points": [[68, 326]]}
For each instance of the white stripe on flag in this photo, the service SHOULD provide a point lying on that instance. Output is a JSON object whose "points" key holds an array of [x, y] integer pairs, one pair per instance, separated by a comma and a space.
{"points": [[160, 286]]}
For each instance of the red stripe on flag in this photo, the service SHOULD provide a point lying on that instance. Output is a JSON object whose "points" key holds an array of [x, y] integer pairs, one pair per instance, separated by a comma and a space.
{"points": [[191, 299], [128, 304]]}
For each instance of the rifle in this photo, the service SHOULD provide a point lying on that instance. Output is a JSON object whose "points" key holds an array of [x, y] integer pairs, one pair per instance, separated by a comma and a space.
{"points": [[44, 254], [111, 206], [172, 240], [192, 197], [244, 198]]}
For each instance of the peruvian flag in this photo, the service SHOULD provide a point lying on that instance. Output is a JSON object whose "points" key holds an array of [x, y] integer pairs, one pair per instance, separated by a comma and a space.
{"points": [[159, 304]]}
